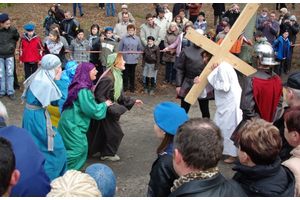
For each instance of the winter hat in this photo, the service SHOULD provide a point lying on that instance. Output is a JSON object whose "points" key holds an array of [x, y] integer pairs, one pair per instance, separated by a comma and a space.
{"points": [[4, 17], [78, 30], [166, 5], [124, 6], [284, 10], [169, 116], [160, 9], [225, 19], [109, 29], [29, 27], [293, 18], [150, 38], [293, 81], [104, 177], [202, 13]]}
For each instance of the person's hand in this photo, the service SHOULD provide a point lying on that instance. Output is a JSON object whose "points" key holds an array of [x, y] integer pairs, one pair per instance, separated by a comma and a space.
{"points": [[40, 62], [291, 23], [270, 24], [108, 103], [164, 50], [196, 80], [275, 53], [214, 66], [63, 33], [178, 89], [21, 62], [58, 73], [265, 23], [138, 103], [120, 37]]}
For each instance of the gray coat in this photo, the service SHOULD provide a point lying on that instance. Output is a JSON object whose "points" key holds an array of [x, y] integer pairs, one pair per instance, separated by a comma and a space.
{"points": [[79, 47], [131, 43], [147, 30]]}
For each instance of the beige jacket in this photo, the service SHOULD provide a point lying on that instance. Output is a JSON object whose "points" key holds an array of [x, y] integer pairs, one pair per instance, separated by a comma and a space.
{"points": [[294, 165], [131, 18], [120, 30]]}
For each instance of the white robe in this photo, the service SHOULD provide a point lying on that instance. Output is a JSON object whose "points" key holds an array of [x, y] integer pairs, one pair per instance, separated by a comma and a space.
{"points": [[227, 91]]}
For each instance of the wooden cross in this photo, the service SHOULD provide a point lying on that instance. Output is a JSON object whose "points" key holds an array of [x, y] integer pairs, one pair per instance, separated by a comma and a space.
{"points": [[221, 52]]}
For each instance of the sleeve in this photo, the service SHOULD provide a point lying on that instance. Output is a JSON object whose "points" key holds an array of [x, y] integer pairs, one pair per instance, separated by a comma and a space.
{"points": [[157, 42], [131, 18], [274, 45], [157, 57], [71, 48], [126, 101], [40, 49], [115, 33], [139, 48], [46, 49], [226, 14], [180, 73], [64, 41], [143, 37], [261, 26], [121, 45], [174, 44], [44, 22], [87, 48], [89, 107], [219, 78], [63, 87], [275, 28], [143, 58], [16, 36], [116, 47], [247, 100], [21, 50], [295, 28]]}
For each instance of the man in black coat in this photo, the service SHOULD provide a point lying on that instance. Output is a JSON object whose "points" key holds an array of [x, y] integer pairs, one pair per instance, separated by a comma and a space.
{"points": [[198, 147], [219, 9]]}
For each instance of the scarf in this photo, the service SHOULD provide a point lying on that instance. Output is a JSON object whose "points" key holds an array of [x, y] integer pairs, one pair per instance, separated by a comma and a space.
{"points": [[81, 80], [264, 16], [53, 47], [188, 177], [91, 39], [41, 82], [27, 38]]}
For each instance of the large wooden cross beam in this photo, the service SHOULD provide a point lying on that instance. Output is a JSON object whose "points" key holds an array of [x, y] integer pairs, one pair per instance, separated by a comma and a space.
{"points": [[221, 52]]}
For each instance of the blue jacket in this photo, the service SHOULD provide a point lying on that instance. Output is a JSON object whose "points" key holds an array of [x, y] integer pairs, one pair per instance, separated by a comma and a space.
{"points": [[278, 47], [30, 160], [131, 43]]}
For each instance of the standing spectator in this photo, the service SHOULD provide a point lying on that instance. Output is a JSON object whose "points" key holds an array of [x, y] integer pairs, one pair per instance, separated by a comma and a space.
{"points": [[177, 7], [55, 46], [42, 89], [187, 7], [167, 118], [219, 9], [120, 29], [31, 50], [194, 11], [270, 28], [179, 23], [9, 36], [94, 44], [262, 17], [170, 56], [279, 6], [233, 13], [68, 27], [48, 21], [101, 5], [201, 22], [198, 173], [130, 42], [150, 64], [283, 12], [79, 7], [112, 6], [222, 25], [168, 14], [222, 34], [259, 169], [108, 46], [157, 8], [120, 15], [285, 20], [293, 28], [58, 13], [281, 48], [182, 14], [162, 22], [79, 46]]}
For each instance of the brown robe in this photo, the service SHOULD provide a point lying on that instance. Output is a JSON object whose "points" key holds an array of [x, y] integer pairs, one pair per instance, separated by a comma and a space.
{"points": [[105, 135]]}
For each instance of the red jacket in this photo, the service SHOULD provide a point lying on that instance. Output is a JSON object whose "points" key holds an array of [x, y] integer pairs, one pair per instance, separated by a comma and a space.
{"points": [[31, 50]]}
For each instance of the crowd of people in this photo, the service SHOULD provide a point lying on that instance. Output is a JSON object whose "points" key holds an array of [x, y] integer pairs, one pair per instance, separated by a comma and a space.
{"points": [[73, 107]]}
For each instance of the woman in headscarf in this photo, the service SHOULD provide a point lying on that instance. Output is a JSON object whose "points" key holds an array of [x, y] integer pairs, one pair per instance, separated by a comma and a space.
{"points": [[78, 110], [41, 89], [105, 135]]}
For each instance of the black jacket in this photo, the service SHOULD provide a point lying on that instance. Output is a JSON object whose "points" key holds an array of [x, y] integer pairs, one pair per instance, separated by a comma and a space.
{"points": [[216, 186], [69, 27], [8, 40], [219, 8], [273, 180], [232, 16], [293, 30], [94, 57], [162, 176]]}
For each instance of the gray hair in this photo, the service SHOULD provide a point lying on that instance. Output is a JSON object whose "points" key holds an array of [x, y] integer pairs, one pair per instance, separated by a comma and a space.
{"points": [[3, 113], [295, 91]]}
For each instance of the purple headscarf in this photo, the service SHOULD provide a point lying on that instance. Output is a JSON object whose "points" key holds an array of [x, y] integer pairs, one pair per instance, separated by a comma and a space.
{"points": [[81, 80]]}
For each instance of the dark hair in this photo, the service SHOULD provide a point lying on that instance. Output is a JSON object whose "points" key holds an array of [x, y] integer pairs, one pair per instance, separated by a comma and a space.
{"points": [[261, 140], [181, 10], [164, 143], [125, 13], [292, 119], [227, 25], [7, 164], [156, 4], [129, 26], [207, 54], [102, 33], [258, 33], [177, 17], [53, 26], [200, 142], [55, 33], [149, 15], [95, 26]]}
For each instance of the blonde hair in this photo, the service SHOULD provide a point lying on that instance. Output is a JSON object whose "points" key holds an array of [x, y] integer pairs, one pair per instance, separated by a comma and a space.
{"points": [[74, 184], [174, 24]]}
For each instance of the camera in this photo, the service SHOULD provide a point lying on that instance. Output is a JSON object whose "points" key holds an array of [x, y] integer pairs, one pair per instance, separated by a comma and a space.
{"points": [[233, 9]]}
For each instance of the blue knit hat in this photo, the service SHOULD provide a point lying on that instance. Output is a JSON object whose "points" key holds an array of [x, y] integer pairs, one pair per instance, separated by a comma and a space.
{"points": [[104, 177], [169, 116], [109, 29], [29, 27]]}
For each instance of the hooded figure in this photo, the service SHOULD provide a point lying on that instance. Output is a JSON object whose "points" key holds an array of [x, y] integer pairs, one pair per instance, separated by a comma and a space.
{"points": [[41, 89]]}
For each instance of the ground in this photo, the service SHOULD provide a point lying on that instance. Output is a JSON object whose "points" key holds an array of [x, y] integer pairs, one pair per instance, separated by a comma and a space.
{"points": [[138, 147]]}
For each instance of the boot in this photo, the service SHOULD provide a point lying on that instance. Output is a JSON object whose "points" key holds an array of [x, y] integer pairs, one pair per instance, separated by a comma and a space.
{"points": [[151, 92], [146, 91]]}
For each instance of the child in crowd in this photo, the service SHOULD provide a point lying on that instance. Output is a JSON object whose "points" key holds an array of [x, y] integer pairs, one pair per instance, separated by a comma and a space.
{"points": [[48, 21], [55, 46], [79, 46], [108, 46], [179, 23], [31, 50], [94, 43], [281, 48], [150, 63], [102, 35]]}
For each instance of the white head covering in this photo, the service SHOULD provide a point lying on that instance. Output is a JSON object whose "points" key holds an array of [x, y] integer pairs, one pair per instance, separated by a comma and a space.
{"points": [[42, 83]]}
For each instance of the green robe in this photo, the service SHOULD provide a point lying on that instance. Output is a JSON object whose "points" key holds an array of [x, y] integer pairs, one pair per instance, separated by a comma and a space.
{"points": [[74, 124]]}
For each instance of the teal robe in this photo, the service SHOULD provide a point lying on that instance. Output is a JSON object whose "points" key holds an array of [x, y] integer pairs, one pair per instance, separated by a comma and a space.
{"points": [[74, 124]]}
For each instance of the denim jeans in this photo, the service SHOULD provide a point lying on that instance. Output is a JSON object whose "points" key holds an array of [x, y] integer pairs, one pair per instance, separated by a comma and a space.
{"points": [[7, 69], [112, 5], [74, 8], [169, 68]]}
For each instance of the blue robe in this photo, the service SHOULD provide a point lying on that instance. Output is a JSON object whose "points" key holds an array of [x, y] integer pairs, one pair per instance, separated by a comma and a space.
{"points": [[35, 122]]}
